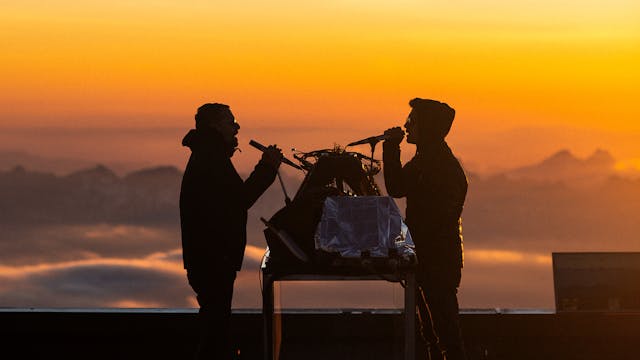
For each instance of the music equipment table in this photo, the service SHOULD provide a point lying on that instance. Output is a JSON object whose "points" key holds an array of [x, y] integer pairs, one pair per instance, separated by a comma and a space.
{"points": [[406, 276]]}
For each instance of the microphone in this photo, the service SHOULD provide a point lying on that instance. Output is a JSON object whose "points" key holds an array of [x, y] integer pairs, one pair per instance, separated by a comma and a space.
{"points": [[370, 140], [262, 148]]}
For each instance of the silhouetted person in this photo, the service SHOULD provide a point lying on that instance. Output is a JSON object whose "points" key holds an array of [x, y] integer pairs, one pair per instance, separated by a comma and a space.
{"points": [[213, 213], [435, 186]]}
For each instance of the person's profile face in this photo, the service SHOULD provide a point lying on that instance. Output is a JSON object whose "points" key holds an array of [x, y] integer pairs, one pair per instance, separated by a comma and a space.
{"points": [[228, 128], [411, 129]]}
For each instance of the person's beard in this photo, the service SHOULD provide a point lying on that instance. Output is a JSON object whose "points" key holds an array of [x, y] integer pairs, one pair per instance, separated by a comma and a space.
{"points": [[233, 145]]}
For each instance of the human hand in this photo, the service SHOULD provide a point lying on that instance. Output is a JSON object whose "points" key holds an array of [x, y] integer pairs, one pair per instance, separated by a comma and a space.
{"points": [[394, 135], [272, 155]]}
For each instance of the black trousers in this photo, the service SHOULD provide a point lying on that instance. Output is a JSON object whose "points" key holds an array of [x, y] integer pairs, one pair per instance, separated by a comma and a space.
{"points": [[438, 333], [214, 292]]}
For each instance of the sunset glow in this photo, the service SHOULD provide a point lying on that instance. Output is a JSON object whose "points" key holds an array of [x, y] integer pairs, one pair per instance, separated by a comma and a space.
{"points": [[507, 257], [146, 263], [628, 165], [148, 64]]}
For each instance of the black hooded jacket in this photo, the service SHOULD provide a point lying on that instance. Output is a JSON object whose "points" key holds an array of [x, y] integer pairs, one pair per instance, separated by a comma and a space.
{"points": [[214, 201], [435, 186]]}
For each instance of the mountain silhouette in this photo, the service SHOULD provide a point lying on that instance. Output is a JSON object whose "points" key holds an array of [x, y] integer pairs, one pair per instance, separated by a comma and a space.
{"points": [[57, 165], [537, 204], [98, 176], [564, 166], [92, 195], [95, 213]]}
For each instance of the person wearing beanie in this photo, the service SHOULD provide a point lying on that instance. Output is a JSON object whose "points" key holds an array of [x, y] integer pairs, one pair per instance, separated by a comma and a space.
{"points": [[214, 201], [435, 187]]}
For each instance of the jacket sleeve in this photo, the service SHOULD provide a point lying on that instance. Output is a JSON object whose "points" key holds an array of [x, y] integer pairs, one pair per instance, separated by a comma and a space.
{"points": [[456, 190], [258, 182], [392, 169]]}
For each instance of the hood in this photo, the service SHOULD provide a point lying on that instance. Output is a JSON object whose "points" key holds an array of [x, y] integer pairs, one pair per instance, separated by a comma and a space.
{"points": [[210, 141]]}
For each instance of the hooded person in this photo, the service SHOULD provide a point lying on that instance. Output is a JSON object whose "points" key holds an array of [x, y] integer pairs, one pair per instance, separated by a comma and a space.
{"points": [[214, 201], [435, 187]]}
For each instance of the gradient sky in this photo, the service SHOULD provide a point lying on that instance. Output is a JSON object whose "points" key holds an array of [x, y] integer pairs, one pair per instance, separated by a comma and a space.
{"points": [[337, 64]]}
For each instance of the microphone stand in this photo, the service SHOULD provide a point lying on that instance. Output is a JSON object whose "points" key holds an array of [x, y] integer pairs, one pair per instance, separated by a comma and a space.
{"points": [[373, 147], [372, 141], [287, 200]]}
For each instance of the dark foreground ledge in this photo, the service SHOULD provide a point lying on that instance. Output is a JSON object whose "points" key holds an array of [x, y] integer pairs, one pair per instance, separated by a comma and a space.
{"points": [[311, 334]]}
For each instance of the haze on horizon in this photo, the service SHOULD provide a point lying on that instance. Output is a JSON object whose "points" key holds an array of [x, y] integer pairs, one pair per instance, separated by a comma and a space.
{"points": [[128, 149]]}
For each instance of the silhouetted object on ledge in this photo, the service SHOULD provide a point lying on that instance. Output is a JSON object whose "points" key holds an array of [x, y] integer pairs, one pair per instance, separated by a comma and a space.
{"points": [[214, 201], [435, 186], [596, 281]]}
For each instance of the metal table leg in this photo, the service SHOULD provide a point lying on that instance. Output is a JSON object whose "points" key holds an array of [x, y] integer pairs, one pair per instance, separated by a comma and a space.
{"points": [[267, 316], [409, 316], [268, 299]]}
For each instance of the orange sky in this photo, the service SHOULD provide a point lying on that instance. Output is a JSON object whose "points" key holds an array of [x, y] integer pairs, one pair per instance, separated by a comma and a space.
{"points": [[502, 64]]}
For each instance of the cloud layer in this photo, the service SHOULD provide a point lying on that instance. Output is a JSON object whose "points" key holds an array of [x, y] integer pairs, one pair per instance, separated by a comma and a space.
{"points": [[96, 239]]}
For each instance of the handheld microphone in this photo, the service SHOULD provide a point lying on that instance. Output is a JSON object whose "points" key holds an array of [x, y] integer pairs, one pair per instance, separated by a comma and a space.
{"points": [[262, 148], [370, 140]]}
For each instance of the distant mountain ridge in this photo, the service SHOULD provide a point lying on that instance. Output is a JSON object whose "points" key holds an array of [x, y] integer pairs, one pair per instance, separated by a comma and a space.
{"points": [[94, 212], [543, 200], [559, 166], [9, 159], [95, 194], [564, 166]]}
